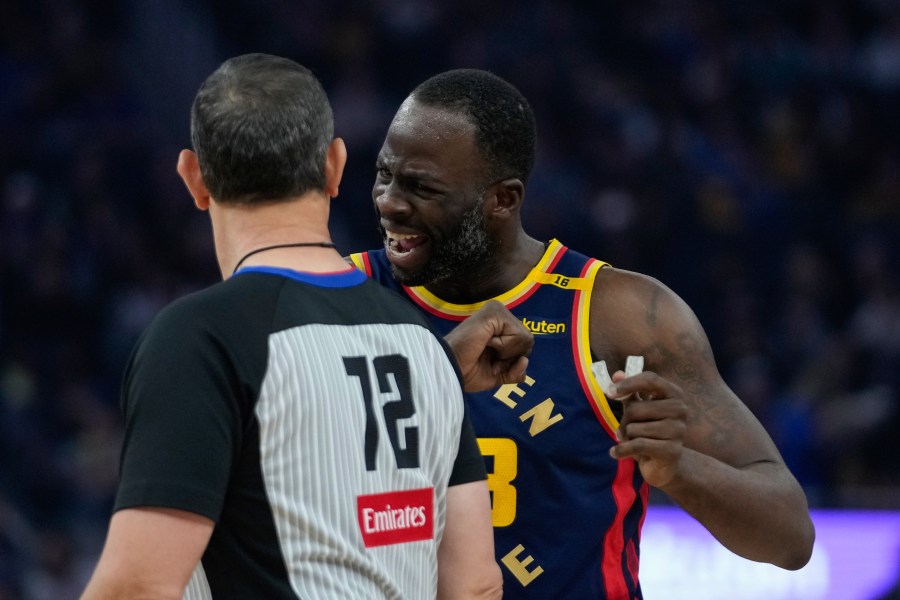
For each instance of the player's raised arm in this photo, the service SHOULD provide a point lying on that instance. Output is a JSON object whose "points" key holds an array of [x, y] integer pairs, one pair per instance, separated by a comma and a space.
{"points": [[691, 435]]}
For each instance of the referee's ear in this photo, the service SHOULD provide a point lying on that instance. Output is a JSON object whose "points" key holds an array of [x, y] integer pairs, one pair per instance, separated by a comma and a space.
{"points": [[189, 170], [334, 166]]}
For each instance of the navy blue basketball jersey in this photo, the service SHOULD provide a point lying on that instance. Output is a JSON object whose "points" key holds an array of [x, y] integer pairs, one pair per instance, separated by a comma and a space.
{"points": [[567, 517]]}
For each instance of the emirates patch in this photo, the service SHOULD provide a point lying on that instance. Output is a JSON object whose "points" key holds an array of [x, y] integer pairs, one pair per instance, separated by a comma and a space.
{"points": [[396, 517]]}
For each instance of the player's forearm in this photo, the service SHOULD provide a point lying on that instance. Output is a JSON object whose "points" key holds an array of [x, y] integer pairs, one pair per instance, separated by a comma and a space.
{"points": [[466, 565], [115, 586], [758, 512]]}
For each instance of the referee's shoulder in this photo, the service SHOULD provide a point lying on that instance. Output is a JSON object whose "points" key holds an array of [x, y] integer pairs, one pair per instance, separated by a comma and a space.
{"points": [[192, 310]]}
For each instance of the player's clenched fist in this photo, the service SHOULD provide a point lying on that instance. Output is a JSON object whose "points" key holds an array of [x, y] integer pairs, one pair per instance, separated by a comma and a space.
{"points": [[492, 348]]}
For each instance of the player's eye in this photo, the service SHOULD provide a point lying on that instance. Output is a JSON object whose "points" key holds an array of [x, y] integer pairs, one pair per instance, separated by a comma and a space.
{"points": [[421, 188]]}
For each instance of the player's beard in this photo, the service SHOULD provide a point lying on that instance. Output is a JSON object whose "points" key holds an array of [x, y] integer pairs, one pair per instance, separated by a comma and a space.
{"points": [[458, 254]]}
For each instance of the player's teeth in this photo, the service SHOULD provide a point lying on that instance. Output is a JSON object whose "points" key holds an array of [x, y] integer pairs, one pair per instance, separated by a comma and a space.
{"points": [[400, 236]]}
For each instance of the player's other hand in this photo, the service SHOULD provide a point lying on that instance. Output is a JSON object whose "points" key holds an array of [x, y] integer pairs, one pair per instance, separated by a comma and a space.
{"points": [[492, 348], [653, 424]]}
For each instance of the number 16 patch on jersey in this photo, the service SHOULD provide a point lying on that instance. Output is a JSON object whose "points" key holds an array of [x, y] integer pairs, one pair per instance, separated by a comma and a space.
{"points": [[396, 517]]}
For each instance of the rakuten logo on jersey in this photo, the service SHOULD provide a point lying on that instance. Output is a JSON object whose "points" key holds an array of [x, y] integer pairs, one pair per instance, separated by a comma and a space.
{"points": [[396, 517]]}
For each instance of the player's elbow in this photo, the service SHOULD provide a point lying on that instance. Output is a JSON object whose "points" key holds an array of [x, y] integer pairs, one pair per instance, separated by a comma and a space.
{"points": [[489, 586], [795, 560], [797, 554], [485, 584], [492, 586], [114, 587]]}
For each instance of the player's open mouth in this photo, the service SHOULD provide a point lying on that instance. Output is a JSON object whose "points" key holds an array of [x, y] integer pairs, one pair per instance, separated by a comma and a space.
{"points": [[403, 247]]}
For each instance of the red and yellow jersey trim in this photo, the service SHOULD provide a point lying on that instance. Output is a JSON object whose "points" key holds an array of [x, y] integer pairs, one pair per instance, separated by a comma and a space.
{"points": [[541, 274], [459, 312], [361, 261], [581, 349]]}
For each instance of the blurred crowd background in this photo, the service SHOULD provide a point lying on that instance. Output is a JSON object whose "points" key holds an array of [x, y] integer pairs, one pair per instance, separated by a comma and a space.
{"points": [[747, 154]]}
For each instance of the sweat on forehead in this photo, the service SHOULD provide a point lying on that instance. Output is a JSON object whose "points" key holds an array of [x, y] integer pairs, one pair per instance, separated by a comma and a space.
{"points": [[436, 119], [432, 142]]}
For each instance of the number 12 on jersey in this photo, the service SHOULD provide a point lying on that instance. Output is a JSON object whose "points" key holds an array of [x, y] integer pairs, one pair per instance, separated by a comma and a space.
{"points": [[392, 374], [503, 493]]}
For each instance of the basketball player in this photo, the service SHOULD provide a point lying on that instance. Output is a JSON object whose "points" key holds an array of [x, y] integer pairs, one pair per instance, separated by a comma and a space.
{"points": [[568, 465], [296, 431]]}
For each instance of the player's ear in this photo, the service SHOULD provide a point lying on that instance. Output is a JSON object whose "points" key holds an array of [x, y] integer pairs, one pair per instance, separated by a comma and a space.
{"points": [[189, 170], [506, 196], [335, 161]]}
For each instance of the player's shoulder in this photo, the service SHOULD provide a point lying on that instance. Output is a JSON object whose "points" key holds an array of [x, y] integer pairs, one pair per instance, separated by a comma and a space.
{"points": [[624, 293], [613, 280]]}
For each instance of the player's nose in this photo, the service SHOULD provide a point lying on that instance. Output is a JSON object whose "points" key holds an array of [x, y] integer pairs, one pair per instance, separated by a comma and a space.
{"points": [[390, 201]]}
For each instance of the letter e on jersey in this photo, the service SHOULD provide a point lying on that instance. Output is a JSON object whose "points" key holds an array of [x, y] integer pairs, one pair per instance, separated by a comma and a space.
{"points": [[396, 517]]}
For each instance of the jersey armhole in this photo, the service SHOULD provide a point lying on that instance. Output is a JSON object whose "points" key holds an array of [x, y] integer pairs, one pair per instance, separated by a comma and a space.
{"points": [[581, 347]]}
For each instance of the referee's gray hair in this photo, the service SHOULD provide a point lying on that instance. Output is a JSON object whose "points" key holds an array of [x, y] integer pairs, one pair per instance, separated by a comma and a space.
{"points": [[261, 126]]}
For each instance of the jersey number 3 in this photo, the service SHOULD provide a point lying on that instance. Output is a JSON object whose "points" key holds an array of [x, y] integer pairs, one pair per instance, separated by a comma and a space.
{"points": [[392, 373], [503, 493]]}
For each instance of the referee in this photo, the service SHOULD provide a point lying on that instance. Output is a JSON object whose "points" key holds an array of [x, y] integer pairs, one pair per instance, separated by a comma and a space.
{"points": [[296, 430]]}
